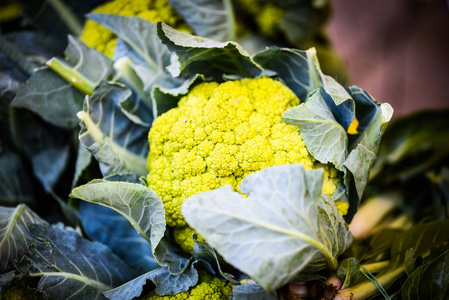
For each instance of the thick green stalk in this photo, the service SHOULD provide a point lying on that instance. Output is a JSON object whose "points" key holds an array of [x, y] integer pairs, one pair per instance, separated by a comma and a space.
{"points": [[368, 289], [79, 81]]}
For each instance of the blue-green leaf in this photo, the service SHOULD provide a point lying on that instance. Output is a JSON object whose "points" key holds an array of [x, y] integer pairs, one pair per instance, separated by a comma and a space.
{"points": [[165, 282], [284, 226], [46, 146], [196, 55], [297, 68], [137, 203], [15, 182], [119, 144], [211, 19], [51, 97], [139, 34], [15, 236], [71, 267], [110, 228], [325, 138], [251, 292]]}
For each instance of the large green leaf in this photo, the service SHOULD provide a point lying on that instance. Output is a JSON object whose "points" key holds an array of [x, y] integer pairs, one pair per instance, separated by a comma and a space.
{"points": [[297, 68], [420, 239], [325, 138], [139, 34], [52, 94], [15, 236], [137, 203], [284, 226], [47, 147], [71, 267], [428, 281], [119, 144], [211, 19], [51, 97], [196, 55], [84, 67]]}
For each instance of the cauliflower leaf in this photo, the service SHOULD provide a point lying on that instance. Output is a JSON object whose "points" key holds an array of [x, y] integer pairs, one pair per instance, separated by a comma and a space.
{"points": [[285, 226]]}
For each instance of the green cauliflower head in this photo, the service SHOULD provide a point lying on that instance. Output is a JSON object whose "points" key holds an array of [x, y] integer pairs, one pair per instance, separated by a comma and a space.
{"points": [[220, 133]]}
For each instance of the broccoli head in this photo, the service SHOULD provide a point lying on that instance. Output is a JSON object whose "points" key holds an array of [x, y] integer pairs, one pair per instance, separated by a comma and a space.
{"points": [[220, 133]]}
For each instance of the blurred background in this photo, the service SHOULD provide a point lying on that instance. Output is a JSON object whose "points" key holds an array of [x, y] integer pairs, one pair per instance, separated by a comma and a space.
{"points": [[396, 50]]}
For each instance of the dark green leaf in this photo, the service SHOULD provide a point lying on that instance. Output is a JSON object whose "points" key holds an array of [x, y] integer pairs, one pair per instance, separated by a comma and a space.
{"points": [[297, 68], [110, 228], [429, 281], [83, 160], [71, 267], [412, 145], [120, 145], [15, 182], [84, 67], [203, 251], [165, 282], [211, 19], [15, 236], [46, 146], [420, 238], [348, 271], [51, 97], [283, 227], [210, 58]]}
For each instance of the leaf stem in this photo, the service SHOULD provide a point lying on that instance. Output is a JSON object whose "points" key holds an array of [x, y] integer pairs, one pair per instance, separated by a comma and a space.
{"points": [[70, 75], [230, 19], [66, 15], [376, 267], [367, 289], [17, 56]]}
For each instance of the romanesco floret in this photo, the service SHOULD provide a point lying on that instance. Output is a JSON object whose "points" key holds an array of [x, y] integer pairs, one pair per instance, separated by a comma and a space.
{"points": [[100, 38], [220, 133], [208, 288], [19, 291]]}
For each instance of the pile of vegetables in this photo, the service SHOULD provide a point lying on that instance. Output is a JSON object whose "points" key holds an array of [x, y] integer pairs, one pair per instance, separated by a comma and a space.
{"points": [[177, 165]]}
